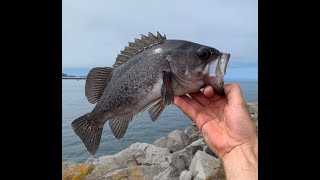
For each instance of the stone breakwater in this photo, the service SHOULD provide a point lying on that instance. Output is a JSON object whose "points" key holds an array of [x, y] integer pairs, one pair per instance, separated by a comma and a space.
{"points": [[180, 155]]}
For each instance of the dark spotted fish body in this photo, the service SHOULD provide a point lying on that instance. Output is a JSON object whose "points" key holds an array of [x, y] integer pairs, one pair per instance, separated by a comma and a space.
{"points": [[146, 76]]}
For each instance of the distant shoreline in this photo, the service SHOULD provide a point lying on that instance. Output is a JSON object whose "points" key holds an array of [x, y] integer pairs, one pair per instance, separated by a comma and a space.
{"points": [[72, 77]]}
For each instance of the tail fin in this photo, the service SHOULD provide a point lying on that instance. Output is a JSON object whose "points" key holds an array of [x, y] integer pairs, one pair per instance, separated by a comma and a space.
{"points": [[89, 132]]}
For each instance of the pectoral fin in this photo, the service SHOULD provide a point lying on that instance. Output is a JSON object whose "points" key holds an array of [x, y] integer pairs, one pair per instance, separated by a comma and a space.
{"points": [[166, 89], [155, 110]]}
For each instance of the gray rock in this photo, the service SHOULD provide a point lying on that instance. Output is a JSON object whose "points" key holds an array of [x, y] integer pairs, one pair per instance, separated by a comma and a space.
{"points": [[191, 130], [161, 142], [195, 136], [133, 173], [204, 166], [195, 146], [170, 173], [127, 161], [253, 109], [181, 160], [175, 141], [151, 155], [209, 151], [104, 165], [185, 175]]}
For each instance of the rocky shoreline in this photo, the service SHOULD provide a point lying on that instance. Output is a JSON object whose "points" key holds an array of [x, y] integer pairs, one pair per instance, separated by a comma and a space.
{"points": [[179, 155]]}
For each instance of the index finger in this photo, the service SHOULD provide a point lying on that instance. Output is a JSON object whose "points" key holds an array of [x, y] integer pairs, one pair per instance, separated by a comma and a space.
{"points": [[208, 91]]}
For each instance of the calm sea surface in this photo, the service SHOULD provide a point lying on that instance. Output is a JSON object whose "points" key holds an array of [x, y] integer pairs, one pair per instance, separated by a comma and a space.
{"points": [[141, 129]]}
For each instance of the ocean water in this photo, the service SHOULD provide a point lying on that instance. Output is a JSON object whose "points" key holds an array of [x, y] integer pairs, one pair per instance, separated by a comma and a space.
{"points": [[141, 129]]}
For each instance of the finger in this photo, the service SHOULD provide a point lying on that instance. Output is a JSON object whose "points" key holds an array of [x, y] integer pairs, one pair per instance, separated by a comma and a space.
{"points": [[200, 98], [185, 107], [208, 91], [234, 94]]}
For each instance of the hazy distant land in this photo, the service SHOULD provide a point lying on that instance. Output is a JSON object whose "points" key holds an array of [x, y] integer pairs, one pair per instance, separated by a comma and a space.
{"points": [[66, 76]]}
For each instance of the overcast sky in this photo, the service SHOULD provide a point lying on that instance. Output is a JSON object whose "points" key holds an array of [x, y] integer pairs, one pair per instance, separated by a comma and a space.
{"points": [[94, 31]]}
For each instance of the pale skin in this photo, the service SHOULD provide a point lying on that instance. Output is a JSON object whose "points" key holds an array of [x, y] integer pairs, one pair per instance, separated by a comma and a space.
{"points": [[227, 128]]}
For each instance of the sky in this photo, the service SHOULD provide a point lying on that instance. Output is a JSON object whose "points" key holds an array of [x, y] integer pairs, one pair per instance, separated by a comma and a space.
{"points": [[95, 31]]}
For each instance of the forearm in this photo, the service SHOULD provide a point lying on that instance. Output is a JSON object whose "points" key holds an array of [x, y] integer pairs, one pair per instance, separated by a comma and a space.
{"points": [[242, 163]]}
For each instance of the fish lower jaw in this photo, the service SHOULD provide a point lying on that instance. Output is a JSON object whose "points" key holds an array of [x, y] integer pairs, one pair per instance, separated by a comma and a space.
{"points": [[183, 89]]}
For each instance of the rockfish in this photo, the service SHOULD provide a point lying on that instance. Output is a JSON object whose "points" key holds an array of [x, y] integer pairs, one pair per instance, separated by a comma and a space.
{"points": [[146, 76]]}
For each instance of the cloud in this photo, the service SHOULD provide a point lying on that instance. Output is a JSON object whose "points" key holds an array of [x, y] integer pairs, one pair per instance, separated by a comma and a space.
{"points": [[94, 31]]}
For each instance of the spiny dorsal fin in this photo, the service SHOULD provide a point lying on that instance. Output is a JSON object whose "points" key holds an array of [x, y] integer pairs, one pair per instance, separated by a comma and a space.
{"points": [[138, 46], [96, 82]]}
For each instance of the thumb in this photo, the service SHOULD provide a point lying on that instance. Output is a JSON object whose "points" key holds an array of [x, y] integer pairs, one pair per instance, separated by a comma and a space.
{"points": [[234, 94]]}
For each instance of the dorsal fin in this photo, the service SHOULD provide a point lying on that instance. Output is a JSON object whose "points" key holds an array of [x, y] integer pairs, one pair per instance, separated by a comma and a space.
{"points": [[96, 82], [138, 46]]}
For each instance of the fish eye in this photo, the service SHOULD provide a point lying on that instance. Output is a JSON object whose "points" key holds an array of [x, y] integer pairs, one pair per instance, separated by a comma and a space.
{"points": [[204, 53]]}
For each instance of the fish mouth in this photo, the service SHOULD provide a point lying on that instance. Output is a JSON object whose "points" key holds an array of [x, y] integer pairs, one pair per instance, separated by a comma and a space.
{"points": [[216, 71]]}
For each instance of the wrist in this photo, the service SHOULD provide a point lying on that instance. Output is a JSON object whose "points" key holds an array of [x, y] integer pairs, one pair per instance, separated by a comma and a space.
{"points": [[242, 162]]}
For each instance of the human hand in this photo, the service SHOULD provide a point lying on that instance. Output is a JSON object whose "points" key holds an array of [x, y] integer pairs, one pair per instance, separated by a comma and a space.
{"points": [[224, 122]]}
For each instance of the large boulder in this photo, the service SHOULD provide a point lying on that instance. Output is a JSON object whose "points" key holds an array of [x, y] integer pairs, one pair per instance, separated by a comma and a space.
{"points": [[183, 158], [195, 136], [151, 155], [142, 172], [73, 170], [170, 173], [175, 141], [138, 159], [161, 142], [185, 175], [205, 166]]}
